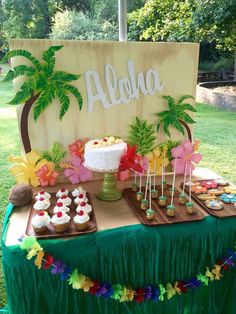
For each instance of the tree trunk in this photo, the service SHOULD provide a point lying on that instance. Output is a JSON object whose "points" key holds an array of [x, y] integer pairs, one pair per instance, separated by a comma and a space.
{"points": [[235, 66], [24, 127], [185, 125]]}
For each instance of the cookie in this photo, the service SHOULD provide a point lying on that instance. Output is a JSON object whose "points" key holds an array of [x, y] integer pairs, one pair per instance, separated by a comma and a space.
{"points": [[228, 198], [214, 204], [215, 192], [206, 197], [230, 189]]}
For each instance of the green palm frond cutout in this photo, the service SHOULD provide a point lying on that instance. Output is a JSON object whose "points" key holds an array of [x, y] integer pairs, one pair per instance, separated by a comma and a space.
{"points": [[43, 81], [56, 154], [176, 116], [142, 134]]}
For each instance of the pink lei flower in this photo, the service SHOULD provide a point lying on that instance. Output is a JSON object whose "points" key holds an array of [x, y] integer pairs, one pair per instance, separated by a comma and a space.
{"points": [[47, 176], [77, 148], [75, 171], [186, 157]]}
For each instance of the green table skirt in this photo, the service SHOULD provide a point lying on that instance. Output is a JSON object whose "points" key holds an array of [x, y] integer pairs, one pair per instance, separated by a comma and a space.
{"points": [[134, 255]]}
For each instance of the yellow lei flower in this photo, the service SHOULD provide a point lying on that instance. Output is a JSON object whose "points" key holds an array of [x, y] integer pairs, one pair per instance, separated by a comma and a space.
{"points": [[25, 168], [159, 156]]}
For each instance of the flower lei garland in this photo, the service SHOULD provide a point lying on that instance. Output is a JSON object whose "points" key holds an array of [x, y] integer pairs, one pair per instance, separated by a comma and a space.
{"points": [[120, 292]]}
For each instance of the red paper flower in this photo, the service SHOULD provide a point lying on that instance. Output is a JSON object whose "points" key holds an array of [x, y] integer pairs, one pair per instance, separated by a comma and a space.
{"points": [[139, 295], [49, 261], [182, 287], [94, 288], [77, 148], [47, 176], [131, 160]]}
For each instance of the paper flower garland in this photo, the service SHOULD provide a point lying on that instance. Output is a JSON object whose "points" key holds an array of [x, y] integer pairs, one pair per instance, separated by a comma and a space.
{"points": [[117, 291], [25, 168], [186, 156], [75, 171], [47, 175]]}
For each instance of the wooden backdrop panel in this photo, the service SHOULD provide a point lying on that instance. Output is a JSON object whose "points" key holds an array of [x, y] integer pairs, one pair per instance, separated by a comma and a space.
{"points": [[176, 63]]}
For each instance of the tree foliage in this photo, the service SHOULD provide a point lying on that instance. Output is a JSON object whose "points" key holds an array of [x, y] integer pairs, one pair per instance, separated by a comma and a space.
{"points": [[186, 20]]}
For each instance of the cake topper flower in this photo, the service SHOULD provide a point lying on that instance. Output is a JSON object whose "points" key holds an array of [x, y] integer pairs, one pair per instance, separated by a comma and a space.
{"points": [[125, 174], [77, 148], [186, 156], [131, 160], [25, 168], [47, 175], [159, 157], [75, 171]]}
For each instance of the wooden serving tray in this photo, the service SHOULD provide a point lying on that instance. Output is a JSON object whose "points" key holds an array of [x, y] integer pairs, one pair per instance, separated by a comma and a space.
{"points": [[71, 231], [161, 217], [227, 211]]}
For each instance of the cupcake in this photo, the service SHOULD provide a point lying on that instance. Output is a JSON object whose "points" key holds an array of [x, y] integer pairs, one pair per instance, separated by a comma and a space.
{"points": [[80, 198], [42, 204], [66, 200], [60, 222], [43, 194], [85, 207], [79, 190], [61, 192], [81, 221], [40, 222], [60, 207]]}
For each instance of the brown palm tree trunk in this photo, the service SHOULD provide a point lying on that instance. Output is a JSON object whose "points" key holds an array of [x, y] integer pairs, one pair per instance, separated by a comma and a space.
{"points": [[187, 128], [24, 127]]}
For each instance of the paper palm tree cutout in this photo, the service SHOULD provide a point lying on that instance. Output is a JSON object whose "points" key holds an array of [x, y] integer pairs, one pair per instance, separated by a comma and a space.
{"points": [[176, 116], [42, 85]]}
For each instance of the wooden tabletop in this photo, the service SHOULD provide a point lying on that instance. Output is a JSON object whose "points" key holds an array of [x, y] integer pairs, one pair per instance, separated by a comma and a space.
{"points": [[108, 214]]}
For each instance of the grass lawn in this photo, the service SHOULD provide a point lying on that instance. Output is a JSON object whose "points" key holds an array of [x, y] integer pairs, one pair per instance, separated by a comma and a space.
{"points": [[215, 128]]}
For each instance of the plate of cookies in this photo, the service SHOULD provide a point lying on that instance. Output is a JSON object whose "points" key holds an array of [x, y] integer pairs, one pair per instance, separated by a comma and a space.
{"points": [[216, 196], [61, 214]]}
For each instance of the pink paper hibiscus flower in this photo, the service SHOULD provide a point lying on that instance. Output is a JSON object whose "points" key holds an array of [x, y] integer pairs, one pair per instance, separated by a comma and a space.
{"points": [[186, 157], [47, 176], [77, 148], [76, 172]]}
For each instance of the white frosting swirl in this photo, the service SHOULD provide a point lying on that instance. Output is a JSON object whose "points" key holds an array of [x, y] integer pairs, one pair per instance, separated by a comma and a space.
{"points": [[43, 194], [60, 220], [79, 200], [63, 209], [66, 201], [80, 219], [41, 221], [42, 204], [78, 191], [60, 193], [87, 208]]}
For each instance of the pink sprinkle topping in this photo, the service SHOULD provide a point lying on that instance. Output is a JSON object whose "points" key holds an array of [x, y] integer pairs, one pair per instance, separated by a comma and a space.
{"points": [[59, 204], [59, 214], [41, 198], [80, 213]]}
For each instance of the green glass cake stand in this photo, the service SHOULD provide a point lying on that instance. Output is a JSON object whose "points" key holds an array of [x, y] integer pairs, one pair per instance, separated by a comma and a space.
{"points": [[109, 191]]}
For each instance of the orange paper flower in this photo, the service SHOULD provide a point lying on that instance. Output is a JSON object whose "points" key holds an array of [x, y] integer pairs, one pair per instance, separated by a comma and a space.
{"points": [[77, 148], [198, 189], [47, 175]]}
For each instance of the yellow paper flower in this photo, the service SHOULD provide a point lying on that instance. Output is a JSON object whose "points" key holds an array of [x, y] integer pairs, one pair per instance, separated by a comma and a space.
{"points": [[25, 168], [216, 272], [87, 284], [156, 158], [170, 291]]}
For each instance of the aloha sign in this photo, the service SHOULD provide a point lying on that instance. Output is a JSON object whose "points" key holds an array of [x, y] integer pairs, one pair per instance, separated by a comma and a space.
{"points": [[123, 90]]}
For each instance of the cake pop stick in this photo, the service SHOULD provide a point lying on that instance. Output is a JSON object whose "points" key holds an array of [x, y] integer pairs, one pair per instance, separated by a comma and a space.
{"points": [[190, 187], [173, 183], [150, 193], [135, 177], [140, 181], [134, 185], [155, 169], [162, 179], [139, 194], [146, 187], [189, 204], [185, 172]]}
